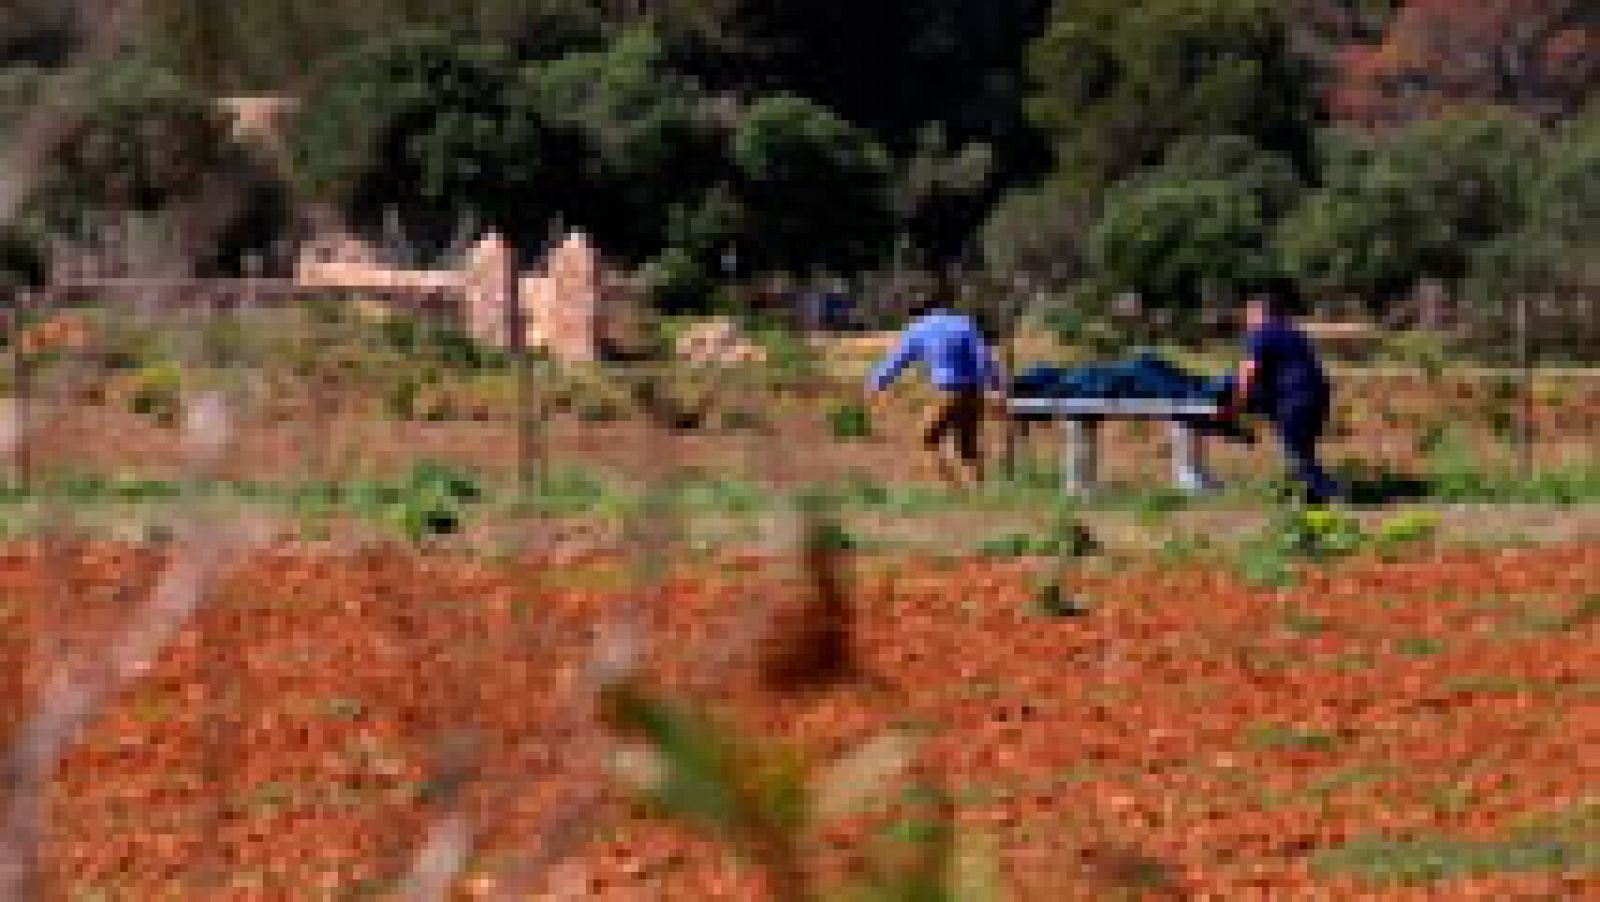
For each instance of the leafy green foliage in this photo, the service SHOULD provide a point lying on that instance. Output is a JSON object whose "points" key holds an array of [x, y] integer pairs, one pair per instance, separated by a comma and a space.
{"points": [[280, 45], [850, 421], [1118, 82], [1393, 210], [1201, 223], [652, 151], [1066, 538], [1432, 859], [142, 141], [1279, 737], [439, 130], [767, 802], [432, 501], [1563, 212], [1322, 534], [813, 186]]}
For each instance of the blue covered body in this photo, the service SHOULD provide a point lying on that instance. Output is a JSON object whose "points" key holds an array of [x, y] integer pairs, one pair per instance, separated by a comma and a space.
{"points": [[1147, 376]]}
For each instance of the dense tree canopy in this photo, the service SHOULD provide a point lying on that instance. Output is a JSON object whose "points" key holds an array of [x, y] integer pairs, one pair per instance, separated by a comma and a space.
{"points": [[813, 187], [1200, 225], [1412, 205], [438, 130], [1173, 147], [650, 144], [1118, 81], [1558, 240], [140, 140]]}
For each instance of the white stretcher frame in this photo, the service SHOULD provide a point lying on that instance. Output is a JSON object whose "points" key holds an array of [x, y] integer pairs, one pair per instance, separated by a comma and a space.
{"points": [[1081, 419]]}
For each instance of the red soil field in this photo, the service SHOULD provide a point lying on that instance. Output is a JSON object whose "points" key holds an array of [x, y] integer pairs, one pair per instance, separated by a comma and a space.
{"points": [[294, 741]]}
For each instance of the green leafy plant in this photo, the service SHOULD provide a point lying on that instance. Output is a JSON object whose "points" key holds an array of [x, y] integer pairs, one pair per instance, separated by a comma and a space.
{"points": [[850, 421], [1406, 529], [768, 802], [1066, 538], [156, 390], [1279, 737]]}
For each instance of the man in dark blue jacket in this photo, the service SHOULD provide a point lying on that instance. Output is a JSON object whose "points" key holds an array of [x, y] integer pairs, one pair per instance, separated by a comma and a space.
{"points": [[1282, 377]]}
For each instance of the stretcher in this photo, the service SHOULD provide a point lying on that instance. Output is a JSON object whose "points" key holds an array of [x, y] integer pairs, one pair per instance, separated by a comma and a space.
{"points": [[1081, 419]]}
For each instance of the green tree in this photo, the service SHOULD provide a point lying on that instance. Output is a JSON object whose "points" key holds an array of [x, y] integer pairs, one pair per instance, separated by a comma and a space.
{"points": [[279, 45], [437, 129], [938, 82], [1202, 222], [1040, 231], [1118, 81], [141, 140], [652, 151], [1557, 241], [814, 188], [1415, 204]]}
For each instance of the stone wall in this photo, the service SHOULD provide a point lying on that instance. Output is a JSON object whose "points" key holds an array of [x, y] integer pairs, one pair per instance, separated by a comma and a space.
{"points": [[568, 307], [572, 301]]}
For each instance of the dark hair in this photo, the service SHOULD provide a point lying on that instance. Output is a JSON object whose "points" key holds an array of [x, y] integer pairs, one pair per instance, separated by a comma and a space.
{"points": [[941, 294], [1278, 297]]}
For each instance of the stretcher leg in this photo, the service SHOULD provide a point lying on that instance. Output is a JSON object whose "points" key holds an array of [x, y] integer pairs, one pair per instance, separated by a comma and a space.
{"points": [[1081, 459], [1189, 471]]}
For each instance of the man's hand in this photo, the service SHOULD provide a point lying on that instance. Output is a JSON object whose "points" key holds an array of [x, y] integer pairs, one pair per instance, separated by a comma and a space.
{"points": [[996, 403]]}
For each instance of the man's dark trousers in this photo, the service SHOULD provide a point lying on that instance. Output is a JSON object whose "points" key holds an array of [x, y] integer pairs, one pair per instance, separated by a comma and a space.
{"points": [[1300, 423]]}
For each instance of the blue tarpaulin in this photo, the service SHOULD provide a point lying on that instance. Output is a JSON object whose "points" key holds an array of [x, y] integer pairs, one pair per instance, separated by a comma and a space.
{"points": [[1147, 376], [1144, 377]]}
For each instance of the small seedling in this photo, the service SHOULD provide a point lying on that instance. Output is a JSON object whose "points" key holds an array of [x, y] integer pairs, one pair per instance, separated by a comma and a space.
{"points": [[1050, 600], [850, 422]]}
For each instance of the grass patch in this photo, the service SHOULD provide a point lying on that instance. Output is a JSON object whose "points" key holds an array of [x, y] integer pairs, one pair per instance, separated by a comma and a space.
{"points": [[850, 421], [1067, 537], [1419, 647], [1277, 737], [1582, 614], [1329, 785], [1302, 624], [1385, 860]]}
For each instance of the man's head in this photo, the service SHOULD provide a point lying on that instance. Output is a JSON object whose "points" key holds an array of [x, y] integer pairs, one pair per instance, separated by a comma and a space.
{"points": [[941, 295], [1270, 303]]}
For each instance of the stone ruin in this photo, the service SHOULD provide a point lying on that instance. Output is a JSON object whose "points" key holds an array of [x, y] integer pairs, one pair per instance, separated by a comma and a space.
{"points": [[572, 307]]}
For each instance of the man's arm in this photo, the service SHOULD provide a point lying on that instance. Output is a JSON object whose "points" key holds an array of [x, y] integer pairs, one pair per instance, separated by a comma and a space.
{"points": [[890, 369], [991, 377], [1244, 384], [1255, 346]]}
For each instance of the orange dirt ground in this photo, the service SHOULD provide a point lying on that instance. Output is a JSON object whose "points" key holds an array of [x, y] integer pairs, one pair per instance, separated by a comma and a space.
{"points": [[287, 744]]}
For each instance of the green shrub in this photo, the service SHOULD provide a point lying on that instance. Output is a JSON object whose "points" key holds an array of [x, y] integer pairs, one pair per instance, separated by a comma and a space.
{"points": [[600, 410], [1066, 538], [1278, 737], [156, 390], [850, 421], [1407, 529], [432, 501], [1319, 533]]}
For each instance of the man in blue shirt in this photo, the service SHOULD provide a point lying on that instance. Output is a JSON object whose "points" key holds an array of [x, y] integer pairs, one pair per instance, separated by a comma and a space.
{"points": [[1282, 377], [960, 364]]}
